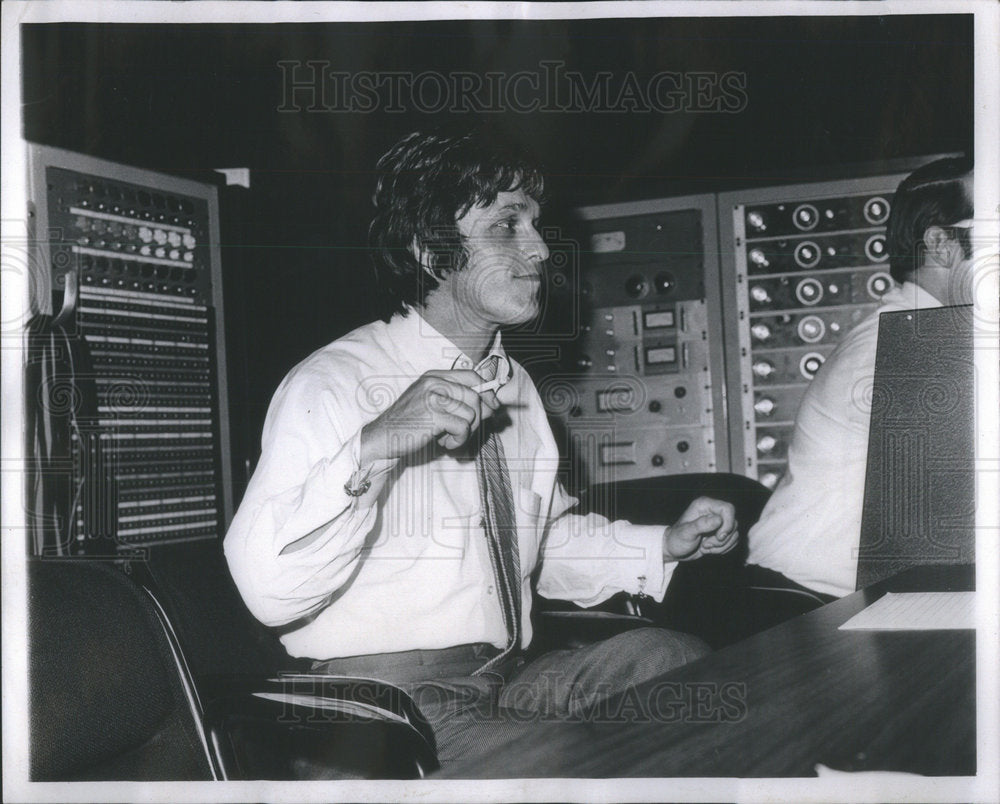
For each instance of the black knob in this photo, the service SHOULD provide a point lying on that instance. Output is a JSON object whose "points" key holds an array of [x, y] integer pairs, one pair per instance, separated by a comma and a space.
{"points": [[683, 446], [680, 392], [665, 283], [657, 460], [635, 286], [655, 406]]}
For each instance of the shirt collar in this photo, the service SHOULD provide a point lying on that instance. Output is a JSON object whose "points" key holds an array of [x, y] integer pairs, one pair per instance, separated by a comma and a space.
{"points": [[425, 349], [914, 296]]}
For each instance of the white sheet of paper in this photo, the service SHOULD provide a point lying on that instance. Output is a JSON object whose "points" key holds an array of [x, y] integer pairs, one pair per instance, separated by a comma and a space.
{"points": [[916, 611]]}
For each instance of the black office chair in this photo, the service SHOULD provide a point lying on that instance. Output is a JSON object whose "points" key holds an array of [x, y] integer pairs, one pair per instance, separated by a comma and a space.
{"points": [[650, 501], [919, 505], [221, 638], [108, 699], [111, 699]]}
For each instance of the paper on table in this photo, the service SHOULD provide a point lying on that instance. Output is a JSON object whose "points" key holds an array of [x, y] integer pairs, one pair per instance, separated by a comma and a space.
{"points": [[916, 611]]}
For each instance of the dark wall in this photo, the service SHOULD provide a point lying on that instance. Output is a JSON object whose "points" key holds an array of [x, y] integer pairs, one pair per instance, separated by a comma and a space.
{"points": [[820, 93]]}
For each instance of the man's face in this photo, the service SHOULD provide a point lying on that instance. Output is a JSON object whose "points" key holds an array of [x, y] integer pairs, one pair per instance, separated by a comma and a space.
{"points": [[501, 282]]}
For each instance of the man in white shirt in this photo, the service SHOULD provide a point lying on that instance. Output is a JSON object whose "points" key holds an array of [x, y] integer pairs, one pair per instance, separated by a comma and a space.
{"points": [[803, 550], [810, 529], [363, 532]]}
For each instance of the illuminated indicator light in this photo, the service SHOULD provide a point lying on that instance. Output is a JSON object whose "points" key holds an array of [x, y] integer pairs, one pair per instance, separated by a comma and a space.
{"points": [[757, 258], [760, 331], [756, 220], [759, 294], [762, 368]]}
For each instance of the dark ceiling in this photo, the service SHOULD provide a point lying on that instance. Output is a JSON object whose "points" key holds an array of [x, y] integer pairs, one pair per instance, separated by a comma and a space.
{"points": [[819, 91]]}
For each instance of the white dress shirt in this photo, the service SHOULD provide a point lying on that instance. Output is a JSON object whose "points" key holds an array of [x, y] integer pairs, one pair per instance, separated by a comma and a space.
{"points": [[406, 566], [810, 529]]}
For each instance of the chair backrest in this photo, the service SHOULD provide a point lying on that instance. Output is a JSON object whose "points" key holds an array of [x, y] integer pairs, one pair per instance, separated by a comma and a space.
{"points": [[919, 505], [109, 696], [219, 635]]}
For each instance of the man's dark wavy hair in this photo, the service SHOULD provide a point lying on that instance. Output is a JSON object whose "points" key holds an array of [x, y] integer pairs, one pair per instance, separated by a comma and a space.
{"points": [[425, 183], [933, 195]]}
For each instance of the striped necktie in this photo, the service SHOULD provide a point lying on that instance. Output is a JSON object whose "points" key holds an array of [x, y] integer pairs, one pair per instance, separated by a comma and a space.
{"points": [[500, 525]]}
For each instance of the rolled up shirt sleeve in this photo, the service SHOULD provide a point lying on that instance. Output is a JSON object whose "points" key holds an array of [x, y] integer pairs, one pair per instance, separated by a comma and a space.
{"points": [[587, 558], [298, 534]]}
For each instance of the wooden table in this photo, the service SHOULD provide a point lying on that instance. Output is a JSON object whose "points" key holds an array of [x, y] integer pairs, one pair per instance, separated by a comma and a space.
{"points": [[778, 703]]}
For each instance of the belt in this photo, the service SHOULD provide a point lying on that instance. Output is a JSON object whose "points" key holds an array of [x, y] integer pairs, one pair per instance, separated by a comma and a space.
{"points": [[418, 665]]}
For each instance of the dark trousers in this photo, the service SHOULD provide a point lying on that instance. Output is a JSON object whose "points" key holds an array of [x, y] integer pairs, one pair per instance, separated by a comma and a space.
{"points": [[472, 715], [722, 600]]}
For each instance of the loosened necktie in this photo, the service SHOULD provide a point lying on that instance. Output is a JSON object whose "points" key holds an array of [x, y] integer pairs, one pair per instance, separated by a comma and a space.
{"points": [[500, 526]]}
